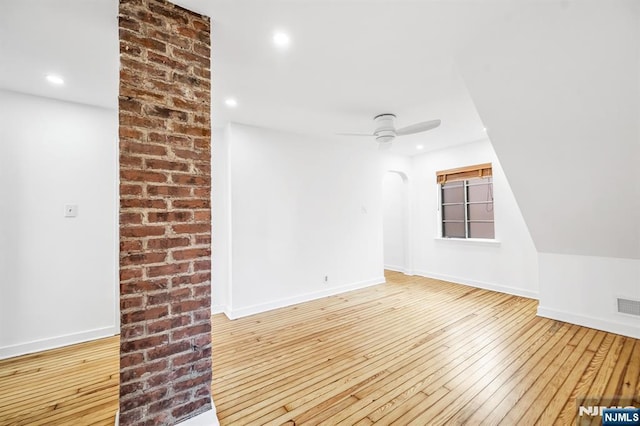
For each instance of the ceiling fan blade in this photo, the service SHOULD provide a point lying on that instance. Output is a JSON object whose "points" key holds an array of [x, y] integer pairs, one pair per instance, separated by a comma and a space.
{"points": [[355, 134], [418, 127]]}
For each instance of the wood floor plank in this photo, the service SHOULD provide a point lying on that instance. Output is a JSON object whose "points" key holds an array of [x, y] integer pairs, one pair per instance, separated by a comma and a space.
{"points": [[413, 351]]}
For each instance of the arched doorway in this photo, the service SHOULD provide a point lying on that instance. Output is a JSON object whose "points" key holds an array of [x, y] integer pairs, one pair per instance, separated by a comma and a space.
{"points": [[395, 201]]}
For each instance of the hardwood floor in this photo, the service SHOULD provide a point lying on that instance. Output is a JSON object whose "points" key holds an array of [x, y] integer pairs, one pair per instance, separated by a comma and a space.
{"points": [[414, 351], [75, 385]]}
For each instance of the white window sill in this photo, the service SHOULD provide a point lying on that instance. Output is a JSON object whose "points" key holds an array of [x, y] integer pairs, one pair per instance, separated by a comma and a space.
{"points": [[471, 241]]}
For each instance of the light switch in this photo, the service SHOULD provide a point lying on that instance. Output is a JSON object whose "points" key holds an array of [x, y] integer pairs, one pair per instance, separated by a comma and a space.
{"points": [[70, 210]]}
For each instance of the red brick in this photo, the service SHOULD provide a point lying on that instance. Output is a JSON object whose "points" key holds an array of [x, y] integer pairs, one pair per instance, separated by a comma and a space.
{"points": [[190, 305], [134, 373], [131, 302], [142, 258], [131, 331], [187, 154], [168, 191], [130, 246], [129, 133], [157, 299], [170, 269], [189, 254], [146, 42], [155, 164], [203, 239], [141, 231], [128, 162], [146, 342], [144, 315], [174, 400], [168, 350], [142, 176], [131, 218], [142, 203], [191, 204], [128, 189], [143, 286], [189, 179], [128, 274], [143, 122], [158, 326], [202, 290], [130, 417], [197, 278], [202, 265], [189, 105], [165, 61], [202, 216], [141, 399], [181, 333], [190, 130], [204, 192], [173, 217], [177, 294], [128, 360], [128, 90], [191, 383], [192, 228], [130, 104], [170, 12], [142, 67], [165, 243]]}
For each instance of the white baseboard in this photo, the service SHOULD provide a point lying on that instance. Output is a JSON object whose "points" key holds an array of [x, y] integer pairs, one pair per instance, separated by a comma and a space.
{"points": [[400, 269], [281, 303], [394, 268], [591, 322], [481, 284], [56, 342], [217, 309]]}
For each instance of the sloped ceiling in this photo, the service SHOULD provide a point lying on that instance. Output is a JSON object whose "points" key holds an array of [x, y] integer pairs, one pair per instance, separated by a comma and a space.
{"points": [[561, 97]]}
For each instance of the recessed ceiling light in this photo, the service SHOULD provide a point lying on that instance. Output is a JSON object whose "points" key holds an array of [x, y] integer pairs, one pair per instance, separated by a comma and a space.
{"points": [[281, 39], [55, 79], [419, 146], [484, 128], [231, 102]]}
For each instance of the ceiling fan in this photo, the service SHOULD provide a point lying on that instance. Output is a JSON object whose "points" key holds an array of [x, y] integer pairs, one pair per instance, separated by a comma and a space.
{"points": [[385, 131]]}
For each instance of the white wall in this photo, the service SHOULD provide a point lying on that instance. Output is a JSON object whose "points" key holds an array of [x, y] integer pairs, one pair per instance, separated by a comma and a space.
{"points": [[558, 86], [58, 281], [395, 197], [220, 220], [583, 290], [302, 209], [508, 265]]}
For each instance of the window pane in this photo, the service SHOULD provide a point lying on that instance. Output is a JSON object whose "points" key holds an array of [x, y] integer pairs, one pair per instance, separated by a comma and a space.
{"points": [[483, 211], [453, 230], [481, 230], [481, 192], [453, 192], [455, 212]]}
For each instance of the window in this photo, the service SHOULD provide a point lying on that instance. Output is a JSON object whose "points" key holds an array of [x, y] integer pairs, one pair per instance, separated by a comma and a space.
{"points": [[466, 202]]}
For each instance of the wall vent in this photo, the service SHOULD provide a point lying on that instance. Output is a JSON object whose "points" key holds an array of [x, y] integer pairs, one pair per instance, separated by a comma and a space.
{"points": [[628, 306]]}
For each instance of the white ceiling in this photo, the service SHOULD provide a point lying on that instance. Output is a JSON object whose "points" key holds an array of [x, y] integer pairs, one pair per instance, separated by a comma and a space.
{"points": [[348, 61]]}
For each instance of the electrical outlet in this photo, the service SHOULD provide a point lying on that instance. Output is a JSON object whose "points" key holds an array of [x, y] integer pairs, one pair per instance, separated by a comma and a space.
{"points": [[326, 278]]}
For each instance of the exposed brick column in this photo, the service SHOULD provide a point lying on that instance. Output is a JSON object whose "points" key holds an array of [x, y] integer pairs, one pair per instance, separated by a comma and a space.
{"points": [[165, 213]]}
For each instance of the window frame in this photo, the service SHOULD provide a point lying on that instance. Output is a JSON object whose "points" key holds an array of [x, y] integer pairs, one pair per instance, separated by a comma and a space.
{"points": [[465, 204]]}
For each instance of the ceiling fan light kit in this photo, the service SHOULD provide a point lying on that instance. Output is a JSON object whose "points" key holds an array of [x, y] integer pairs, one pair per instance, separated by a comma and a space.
{"points": [[385, 129]]}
